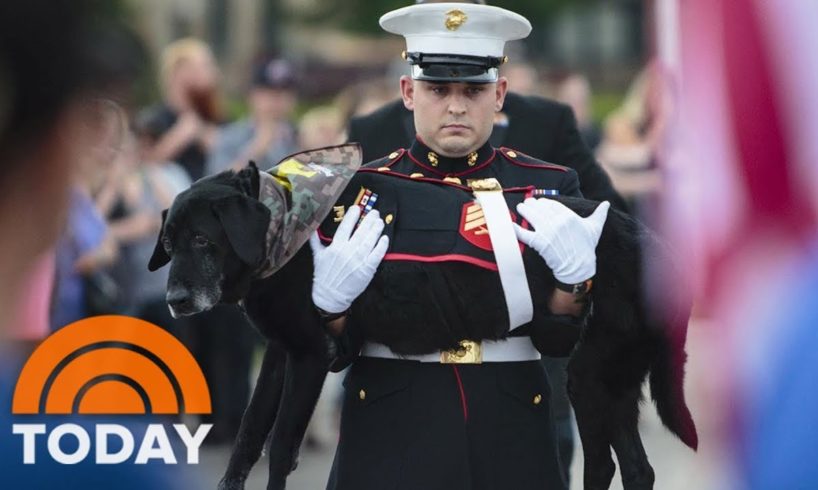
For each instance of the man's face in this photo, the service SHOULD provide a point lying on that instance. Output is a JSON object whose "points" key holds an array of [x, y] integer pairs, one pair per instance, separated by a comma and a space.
{"points": [[272, 103], [453, 118]]}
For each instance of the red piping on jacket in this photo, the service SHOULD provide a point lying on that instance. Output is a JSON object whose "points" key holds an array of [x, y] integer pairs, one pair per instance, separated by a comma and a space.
{"points": [[443, 258], [441, 182], [463, 401], [422, 179], [399, 151], [458, 174], [551, 166]]}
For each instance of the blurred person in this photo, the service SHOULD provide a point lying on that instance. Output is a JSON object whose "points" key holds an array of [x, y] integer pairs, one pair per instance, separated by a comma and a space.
{"points": [[268, 134], [185, 122], [373, 96], [631, 138], [86, 245], [522, 78], [629, 159], [55, 55], [43, 127], [363, 98], [143, 191], [320, 127], [28, 320], [575, 90]]}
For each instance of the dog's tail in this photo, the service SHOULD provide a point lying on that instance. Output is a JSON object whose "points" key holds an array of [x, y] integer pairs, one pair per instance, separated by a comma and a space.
{"points": [[667, 366], [667, 388]]}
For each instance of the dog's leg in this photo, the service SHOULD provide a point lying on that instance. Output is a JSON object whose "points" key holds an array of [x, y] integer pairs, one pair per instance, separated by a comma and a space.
{"points": [[258, 418], [637, 474], [302, 386], [591, 406]]}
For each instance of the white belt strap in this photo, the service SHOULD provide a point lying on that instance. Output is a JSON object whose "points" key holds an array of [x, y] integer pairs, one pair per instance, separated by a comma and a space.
{"points": [[506, 253]]}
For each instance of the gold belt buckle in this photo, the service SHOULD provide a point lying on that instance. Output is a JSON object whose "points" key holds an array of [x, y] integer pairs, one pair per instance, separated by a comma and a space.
{"points": [[470, 352]]}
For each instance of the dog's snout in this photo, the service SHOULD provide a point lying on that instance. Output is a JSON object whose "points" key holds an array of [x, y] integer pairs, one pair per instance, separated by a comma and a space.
{"points": [[177, 298]]}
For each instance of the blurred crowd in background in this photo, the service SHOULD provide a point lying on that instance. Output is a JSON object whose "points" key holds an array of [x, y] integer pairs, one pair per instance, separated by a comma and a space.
{"points": [[174, 100]]}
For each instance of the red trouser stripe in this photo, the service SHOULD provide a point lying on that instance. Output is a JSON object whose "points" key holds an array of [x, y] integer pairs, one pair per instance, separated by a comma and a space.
{"points": [[462, 394]]}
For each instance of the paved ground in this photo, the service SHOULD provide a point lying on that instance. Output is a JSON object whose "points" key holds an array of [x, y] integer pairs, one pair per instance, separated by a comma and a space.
{"points": [[311, 473], [677, 467]]}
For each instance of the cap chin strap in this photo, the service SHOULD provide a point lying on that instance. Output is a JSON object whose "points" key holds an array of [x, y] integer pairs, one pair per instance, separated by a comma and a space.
{"points": [[507, 253]]}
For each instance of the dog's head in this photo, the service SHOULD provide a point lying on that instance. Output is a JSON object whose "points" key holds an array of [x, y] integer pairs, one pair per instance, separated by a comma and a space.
{"points": [[234, 227], [214, 238]]}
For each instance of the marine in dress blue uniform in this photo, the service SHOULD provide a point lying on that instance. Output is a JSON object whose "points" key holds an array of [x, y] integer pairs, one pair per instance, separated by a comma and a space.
{"points": [[446, 421]]}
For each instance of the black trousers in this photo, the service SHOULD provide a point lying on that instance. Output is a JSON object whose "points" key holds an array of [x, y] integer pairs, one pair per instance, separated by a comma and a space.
{"points": [[407, 425]]}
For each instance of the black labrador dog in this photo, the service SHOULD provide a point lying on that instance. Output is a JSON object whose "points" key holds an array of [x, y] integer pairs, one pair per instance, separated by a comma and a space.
{"points": [[213, 236]]}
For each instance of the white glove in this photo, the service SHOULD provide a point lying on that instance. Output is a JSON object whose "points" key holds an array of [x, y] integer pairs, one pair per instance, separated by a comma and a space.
{"points": [[345, 268], [566, 241]]}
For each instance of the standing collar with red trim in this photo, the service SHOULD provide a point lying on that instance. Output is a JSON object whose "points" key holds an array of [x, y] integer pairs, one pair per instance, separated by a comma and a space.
{"points": [[424, 157]]}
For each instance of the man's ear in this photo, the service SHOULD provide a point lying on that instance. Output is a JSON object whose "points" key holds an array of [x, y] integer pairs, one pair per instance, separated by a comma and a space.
{"points": [[407, 92], [159, 257], [500, 90], [245, 222]]}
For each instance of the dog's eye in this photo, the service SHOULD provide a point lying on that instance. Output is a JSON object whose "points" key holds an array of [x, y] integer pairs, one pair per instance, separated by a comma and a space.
{"points": [[200, 241], [167, 245]]}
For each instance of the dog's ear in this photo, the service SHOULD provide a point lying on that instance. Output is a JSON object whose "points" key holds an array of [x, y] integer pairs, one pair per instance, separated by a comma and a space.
{"points": [[245, 223], [159, 257], [248, 180]]}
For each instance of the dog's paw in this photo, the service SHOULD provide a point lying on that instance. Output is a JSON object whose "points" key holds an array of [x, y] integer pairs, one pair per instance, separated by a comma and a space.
{"points": [[231, 484], [294, 457], [277, 484]]}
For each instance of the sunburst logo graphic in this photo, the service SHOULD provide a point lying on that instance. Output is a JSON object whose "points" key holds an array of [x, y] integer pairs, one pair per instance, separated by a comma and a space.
{"points": [[111, 365]]}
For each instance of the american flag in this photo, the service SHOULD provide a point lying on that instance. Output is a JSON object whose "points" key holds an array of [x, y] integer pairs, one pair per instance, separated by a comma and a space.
{"points": [[741, 160]]}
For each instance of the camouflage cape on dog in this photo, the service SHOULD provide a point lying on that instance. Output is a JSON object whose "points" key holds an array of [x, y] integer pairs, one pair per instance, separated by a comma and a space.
{"points": [[299, 192]]}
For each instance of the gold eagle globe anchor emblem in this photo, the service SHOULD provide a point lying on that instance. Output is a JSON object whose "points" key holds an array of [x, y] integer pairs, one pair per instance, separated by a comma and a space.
{"points": [[454, 19]]}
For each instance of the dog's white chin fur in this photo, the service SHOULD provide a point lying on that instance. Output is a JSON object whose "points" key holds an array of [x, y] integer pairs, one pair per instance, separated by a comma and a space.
{"points": [[176, 315]]}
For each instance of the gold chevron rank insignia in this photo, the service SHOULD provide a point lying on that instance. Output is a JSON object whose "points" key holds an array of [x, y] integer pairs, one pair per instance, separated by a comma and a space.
{"points": [[473, 226]]}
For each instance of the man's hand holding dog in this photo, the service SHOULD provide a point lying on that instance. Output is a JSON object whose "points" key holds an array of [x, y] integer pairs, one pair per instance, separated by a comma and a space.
{"points": [[344, 268], [566, 241]]}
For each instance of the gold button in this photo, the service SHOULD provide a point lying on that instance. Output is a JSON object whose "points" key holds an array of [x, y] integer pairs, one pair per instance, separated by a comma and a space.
{"points": [[394, 154], [388, 218], [512, 154], [537, 398], [362, 394], [383, 169], [416, 175], [453, 180]]}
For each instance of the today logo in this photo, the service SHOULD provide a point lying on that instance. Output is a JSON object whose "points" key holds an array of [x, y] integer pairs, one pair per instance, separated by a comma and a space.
{"points": [[110, 365]]}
